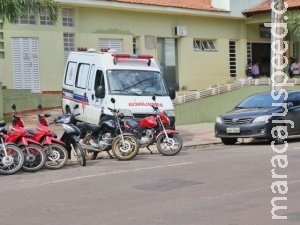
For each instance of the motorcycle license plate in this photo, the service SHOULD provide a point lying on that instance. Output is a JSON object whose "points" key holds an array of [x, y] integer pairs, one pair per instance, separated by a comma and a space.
{"points": [[233, 130]]}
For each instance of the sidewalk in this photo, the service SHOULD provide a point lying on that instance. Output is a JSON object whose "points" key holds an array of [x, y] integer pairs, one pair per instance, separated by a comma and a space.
{"points": [[192, 135]]}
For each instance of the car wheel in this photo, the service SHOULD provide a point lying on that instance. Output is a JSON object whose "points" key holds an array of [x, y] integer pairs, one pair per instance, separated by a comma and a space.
{"points": [[229, 141], [278, 140]]}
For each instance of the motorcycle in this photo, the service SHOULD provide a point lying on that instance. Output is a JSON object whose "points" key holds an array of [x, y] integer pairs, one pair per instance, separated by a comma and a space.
{"points": [[35, 157], [109, 136], [151, 129], [11, 156], [71, 135], [56, 153]]}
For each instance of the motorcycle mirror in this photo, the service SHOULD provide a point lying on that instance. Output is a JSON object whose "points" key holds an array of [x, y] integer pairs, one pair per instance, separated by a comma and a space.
{"points": [[153, 97], [112, 100], [172, 93], [39, 106], [14, 107], [76, 106], [47, 115]]}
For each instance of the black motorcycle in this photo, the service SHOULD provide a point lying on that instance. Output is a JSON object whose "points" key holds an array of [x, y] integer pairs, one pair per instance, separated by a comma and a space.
{"points": [[71, 135], [109, 136]]}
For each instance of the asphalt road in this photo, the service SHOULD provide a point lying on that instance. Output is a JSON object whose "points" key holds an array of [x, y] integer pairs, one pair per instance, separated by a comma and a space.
{"points": [[226, 185]]}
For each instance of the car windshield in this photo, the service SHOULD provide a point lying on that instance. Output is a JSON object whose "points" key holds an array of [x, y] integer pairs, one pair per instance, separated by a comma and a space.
{"points": [[136, 82], [264, 100]]}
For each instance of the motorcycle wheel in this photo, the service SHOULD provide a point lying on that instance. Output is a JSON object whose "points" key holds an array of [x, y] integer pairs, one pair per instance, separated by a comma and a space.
{"points": [[171, 147], [57, 156], [125, 151], [13, 162], [35, 158], [89, 155], [79, 154]]}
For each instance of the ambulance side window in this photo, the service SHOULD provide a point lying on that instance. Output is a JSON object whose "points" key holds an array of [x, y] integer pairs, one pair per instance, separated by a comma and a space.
{"points": [[91, 77], [82, 75], [99, 81], [70, 73]]}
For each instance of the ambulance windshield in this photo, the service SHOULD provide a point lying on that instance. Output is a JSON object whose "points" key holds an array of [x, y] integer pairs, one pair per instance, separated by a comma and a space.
{"points": [[136, 82]]}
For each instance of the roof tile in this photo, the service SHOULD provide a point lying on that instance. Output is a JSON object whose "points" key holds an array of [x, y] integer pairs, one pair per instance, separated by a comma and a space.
{"points": [[266, 6], [204, 5]]}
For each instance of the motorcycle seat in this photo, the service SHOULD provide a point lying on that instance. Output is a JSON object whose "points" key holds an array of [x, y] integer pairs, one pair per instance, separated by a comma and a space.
{"points": [[132, 123]]}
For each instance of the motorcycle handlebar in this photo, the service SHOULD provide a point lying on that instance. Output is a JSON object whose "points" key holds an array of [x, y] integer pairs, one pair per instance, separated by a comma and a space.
{"points": [[112, 110], [155, 107]]}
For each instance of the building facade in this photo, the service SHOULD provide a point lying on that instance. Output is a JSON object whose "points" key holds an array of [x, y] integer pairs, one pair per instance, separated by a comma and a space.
{"points": [[197, 43]]}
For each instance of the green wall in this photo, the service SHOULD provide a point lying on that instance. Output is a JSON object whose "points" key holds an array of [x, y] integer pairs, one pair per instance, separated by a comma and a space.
{"points": [[26, 101], [207, 109]]}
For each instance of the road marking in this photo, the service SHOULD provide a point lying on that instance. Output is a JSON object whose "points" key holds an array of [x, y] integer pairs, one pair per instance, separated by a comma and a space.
{"points": [[243, 192], [116, 172]]}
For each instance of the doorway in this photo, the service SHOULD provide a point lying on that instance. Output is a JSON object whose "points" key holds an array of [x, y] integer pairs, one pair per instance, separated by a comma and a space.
{"points": [[261, 52]]}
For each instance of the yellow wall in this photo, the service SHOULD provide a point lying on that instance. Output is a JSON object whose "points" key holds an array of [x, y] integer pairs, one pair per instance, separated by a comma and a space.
{"points": [[197, 69]]}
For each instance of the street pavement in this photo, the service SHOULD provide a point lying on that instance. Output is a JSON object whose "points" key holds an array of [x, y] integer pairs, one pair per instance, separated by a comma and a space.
{"points": [[192, 134]]}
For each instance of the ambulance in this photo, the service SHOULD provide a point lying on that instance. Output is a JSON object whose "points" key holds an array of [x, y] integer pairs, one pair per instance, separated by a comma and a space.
{"points": [[131, 79]]}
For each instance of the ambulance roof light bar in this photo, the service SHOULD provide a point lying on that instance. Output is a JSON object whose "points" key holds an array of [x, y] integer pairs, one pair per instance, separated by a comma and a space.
{"points": [[131, 56]]}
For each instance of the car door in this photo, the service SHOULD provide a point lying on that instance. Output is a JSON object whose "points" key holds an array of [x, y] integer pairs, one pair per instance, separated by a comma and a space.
{"points": [[292, 116], [92, 109]]}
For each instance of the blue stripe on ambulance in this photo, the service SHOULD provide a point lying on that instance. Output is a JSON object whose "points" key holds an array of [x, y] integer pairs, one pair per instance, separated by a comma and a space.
{"points": [[68, 94]]}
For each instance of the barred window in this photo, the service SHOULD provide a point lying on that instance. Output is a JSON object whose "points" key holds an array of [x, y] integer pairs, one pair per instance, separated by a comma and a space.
{"points": [[45, 18], [69, 44], [27, 18], [205, 45], [68, 17]]}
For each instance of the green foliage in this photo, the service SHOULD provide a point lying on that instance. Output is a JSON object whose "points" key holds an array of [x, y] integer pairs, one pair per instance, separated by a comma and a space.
{"points": [[11, 10], [293, 21]]}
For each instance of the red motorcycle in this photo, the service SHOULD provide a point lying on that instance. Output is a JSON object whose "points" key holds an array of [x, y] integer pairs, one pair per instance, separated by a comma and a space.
{"points": [[35, 157], [11, 156], [151, 129], [57, 155]]}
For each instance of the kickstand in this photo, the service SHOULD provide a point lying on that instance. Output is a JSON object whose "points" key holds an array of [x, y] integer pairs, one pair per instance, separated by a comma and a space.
{"points": [[110, 155], [149, 150]]}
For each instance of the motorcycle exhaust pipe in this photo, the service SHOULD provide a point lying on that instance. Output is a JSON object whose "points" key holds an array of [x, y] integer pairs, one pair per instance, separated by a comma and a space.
{"points": [[92, 148]]}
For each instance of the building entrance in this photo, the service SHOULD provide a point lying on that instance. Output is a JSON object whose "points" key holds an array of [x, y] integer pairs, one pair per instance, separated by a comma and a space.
{"points": [[261, 52]]}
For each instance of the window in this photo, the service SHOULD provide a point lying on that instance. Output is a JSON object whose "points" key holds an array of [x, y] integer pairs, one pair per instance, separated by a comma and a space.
{"points": [[205, 45], [68, 17], [134, 47], [70, 73], [69, 44], [249, 50], [99, 80], [27, 18], [111, 44], [82, 75], [232, 58], [44, 18]]}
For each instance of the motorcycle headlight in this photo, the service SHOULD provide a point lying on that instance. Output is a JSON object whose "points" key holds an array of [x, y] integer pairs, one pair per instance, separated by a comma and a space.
{"points": [[170, 112], [126, 112], [219, 120], [66, 120], [260, 119], [68, 128]]}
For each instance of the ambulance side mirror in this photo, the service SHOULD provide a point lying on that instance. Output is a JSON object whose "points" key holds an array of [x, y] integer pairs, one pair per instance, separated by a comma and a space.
{"points": [[172, 93], [99, 93]]}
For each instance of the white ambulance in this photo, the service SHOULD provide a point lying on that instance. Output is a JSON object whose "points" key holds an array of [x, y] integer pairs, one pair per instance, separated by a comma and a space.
{"points": [[130, 79]]}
